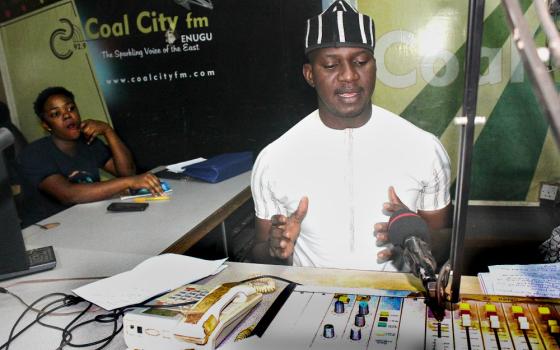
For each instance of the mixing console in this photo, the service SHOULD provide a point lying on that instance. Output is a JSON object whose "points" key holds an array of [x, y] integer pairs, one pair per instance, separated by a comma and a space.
{"points": [[336, 318]]}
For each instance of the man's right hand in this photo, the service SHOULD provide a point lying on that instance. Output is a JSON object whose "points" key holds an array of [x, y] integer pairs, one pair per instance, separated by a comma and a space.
{"points": [[148, 181], [285, 231]]}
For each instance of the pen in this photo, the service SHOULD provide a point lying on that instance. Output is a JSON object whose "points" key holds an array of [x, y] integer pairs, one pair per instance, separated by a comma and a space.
{"points": [[149, 199]]}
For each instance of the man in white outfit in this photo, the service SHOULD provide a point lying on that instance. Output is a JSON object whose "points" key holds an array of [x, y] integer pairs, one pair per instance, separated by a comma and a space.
{"points": [[319, 190]]}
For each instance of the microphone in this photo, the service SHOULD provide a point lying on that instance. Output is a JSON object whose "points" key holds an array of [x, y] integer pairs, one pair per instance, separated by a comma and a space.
{"points": [[410, 232]]}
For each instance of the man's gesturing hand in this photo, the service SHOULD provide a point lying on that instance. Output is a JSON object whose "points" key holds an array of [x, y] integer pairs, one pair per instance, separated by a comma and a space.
{"points": [[285, 231], [381, 228]]}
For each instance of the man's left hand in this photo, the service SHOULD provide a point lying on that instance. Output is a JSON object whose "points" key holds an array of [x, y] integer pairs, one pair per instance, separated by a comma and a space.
{"points": [[381, 229]]}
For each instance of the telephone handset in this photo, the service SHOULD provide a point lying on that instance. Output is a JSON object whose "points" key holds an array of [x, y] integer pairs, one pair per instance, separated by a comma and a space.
{"points": [[200, 326]]}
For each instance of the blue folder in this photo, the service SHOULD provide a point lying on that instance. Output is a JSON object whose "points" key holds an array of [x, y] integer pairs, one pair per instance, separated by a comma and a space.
{"points": [[220, 167]]}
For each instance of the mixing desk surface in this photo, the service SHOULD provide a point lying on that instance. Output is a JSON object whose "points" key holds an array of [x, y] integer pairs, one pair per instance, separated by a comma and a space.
{"points": [[329, 318]]}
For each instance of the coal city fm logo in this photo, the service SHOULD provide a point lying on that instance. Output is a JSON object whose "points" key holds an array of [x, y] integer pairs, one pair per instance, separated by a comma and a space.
{"points": [[64, 41]]}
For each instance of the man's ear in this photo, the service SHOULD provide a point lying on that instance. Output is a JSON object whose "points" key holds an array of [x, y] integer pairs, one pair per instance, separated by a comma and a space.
{"points": [[308, 74]]}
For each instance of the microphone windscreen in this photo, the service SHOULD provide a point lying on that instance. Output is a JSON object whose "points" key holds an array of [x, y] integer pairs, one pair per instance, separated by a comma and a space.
{"points": [[405, 223]]}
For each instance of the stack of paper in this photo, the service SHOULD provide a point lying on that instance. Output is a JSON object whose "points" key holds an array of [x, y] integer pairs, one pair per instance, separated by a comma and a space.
{"points": [[150, 278], [537, 280]]}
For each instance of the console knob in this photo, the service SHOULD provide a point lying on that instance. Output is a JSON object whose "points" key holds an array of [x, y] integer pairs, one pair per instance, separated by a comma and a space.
{"points": [[360, 320], [328, 331], [363, 308], [355, 334], [339, 307]]}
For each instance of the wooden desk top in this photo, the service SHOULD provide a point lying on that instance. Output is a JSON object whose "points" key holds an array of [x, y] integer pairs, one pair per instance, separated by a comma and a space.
{"points": [[335, 277]]}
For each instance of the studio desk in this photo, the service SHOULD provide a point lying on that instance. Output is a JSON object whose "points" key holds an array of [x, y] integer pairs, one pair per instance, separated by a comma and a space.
{"points": [[89, 246], [393, 322], [78, 267]]}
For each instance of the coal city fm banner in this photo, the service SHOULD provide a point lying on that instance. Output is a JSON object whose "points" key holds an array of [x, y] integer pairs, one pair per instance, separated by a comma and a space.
{"points": [[155, 63], [183, 79]]}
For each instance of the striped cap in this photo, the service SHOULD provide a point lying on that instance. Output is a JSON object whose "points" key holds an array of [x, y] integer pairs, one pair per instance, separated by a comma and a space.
{"points": [[340, 26]]}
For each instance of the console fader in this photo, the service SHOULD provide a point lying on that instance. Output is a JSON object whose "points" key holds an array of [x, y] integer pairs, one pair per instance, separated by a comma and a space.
{"points": [[339, 318]]}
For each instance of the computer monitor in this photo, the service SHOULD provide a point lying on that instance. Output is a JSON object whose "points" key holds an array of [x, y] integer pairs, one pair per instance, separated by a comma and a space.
{"points": [[14, 259]]}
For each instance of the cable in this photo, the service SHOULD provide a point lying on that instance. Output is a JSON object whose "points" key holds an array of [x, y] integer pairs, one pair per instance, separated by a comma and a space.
{"points": [[268, 276], [66, 300], [13, 336], [108, 339], [4, 290], [48, 280], [67, 331], [113, 317], [42, 311], [22, 301]]}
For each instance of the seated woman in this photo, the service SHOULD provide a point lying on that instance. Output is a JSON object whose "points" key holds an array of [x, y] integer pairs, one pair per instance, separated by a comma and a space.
{"points": [[63, 169]]}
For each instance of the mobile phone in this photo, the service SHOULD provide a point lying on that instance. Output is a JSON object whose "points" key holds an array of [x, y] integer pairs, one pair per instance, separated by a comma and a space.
{"points": [[127, 206]]}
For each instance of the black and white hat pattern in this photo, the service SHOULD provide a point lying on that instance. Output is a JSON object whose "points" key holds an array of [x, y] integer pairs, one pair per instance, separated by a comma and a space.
{"points": [[340, 26]]}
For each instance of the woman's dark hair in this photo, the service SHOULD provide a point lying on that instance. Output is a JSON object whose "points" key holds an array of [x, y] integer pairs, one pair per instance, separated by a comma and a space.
{"points": [[44, 95]]}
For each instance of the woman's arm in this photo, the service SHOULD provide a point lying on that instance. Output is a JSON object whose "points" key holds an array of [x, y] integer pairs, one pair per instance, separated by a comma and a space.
{"points": [[72, 193], [121, 163]]}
